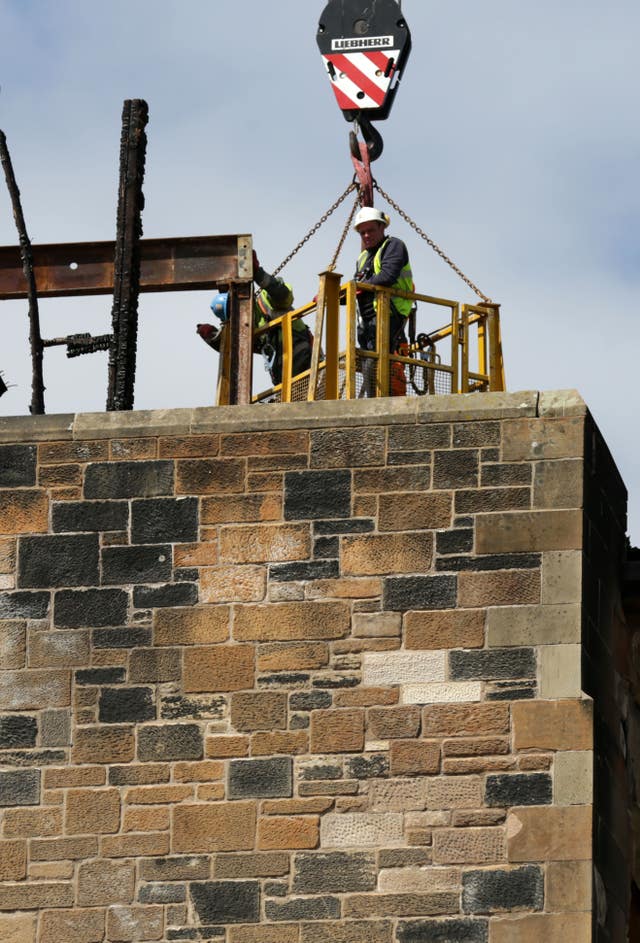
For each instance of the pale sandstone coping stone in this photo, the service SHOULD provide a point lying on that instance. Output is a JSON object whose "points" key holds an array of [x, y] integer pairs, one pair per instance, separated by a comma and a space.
{"points": [[559, 403], [125, 424], [469, 407], [513, 626], [36, 428]]}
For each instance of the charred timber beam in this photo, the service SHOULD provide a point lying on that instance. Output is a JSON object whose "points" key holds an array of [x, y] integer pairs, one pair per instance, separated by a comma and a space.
{"points": [[126, 273], [86, 268]]}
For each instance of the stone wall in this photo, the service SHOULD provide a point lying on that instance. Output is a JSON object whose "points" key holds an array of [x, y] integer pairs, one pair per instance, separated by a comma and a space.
{"points": [[298, 674]]}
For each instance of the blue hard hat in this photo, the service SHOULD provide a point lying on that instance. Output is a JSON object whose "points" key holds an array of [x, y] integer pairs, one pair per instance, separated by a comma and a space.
{"points": [[220, 305]]}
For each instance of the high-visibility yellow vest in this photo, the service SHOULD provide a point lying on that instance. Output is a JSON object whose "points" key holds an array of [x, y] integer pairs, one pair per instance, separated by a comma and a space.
{"points": [[264, 310], [404, 281]]}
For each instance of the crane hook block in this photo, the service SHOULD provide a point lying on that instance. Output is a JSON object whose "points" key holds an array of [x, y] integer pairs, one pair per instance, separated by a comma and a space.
{"points": [[365, 46]]}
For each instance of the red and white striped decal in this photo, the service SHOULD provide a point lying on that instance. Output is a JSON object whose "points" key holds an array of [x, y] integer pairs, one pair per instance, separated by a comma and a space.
{"points": [[360, 81]]}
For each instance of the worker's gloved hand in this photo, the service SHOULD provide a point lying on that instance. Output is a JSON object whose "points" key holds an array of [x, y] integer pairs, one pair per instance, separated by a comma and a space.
{"points": [[210, 335]]}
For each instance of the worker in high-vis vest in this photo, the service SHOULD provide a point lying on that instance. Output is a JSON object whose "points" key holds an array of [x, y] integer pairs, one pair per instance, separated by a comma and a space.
{"points": [[273, 300], [384, 260]]}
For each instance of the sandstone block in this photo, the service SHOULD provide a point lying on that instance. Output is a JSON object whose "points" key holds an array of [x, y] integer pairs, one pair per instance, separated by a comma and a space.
{"points": [[18, 928], [423, 880], [469, 846], [380, 554], [296, 831], [265, 933], [393, 722], [562, 578], [130, 924], [366, 697], [13, 860], [294, 656], [292, 621], [441, 692], [401, 905], [72, 926], [24, 512], [197, 625], [453, 628], [266, 864], [34, 689], [103, 882], [30, 823], [568, 886], [36, 896], [294, 742], [454, 792], [558, 484], [552, 928], [196, 446], [241, 508], [223, 747], [550, 833], [152, 819], [361, 829], [560, 671], [527, 531], [59, 649], [259, 710], [533, 625], [13, 644], [462, 720], [415, 757], [228, 668], [63, 849], [498, 588], [135, 846], [415, 511], [573, 778], [549, 438], [202, 829], [337, 731], [352, 931], [90, 811], [233, 584], [398, 795], [389, 668], [209, 475], [295, 806], [97, 744], [553, 725], [376, 624], [264, 543]]}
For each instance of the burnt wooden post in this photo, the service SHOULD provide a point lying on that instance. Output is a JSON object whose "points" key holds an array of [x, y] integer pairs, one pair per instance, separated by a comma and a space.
{"points": [[35, 338], [126, 275]]}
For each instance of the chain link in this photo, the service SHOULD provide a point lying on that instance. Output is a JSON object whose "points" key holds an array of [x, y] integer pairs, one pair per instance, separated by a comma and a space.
{"points": [[345, 231], [352, 186], [436, 248]]}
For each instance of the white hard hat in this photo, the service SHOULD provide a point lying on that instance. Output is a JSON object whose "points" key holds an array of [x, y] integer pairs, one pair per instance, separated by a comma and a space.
{"points": [[368, 214]]}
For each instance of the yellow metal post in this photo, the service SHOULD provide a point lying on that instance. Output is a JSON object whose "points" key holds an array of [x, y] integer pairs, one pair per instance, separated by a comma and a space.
{"points": [[224, 365], [496, 365], [352, 339], [382, 342], [482, 346], [455, 353], [464, 344], [287, 359], [317, 341], [332, 336]]}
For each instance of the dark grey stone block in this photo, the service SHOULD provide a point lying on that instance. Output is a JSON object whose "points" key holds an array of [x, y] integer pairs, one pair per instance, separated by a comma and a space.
{"points": [[492, 499], [74, 609], [454, 541], [422, 457], [510, 690], [222, 902], [196, 707], [24, 605], [126, 706], [402, 593], [90, 516], [457, 469], [17, 731], [266, 779], [35, 758], [100, 676], [502, 475], [518, 789], [318, 770], [355, 525], [444, 931], [160, 520], [334, 872], [19, 787], [475, 434], [485, 892], [326, 548], [336, 682], [317, 495], [496, 561], [427, 436], [186, 574], [50, 561], [314, 700], [303, 908], [169, 595], [17, 466], [146, 564], [489, 664], [276, 888], [316, 570], [128, 479], [155, 665], [368, 767], [121, 638], [171, 742], [175, 868]]}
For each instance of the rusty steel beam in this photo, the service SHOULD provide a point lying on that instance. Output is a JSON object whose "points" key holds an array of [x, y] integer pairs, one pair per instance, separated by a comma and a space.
{"points": [[86, 268]]}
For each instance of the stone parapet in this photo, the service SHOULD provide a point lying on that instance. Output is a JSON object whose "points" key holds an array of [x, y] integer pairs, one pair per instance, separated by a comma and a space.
{"points": [[299, 673]]}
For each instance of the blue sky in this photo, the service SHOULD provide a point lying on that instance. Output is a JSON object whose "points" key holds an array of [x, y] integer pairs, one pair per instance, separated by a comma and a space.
{"points": [[513, 142]]}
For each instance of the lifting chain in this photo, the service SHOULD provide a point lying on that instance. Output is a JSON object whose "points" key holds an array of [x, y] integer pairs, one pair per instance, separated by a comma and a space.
{"points": [[352, 186], [334, 260], [436, 248]]}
